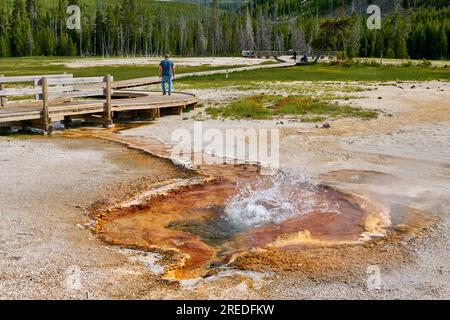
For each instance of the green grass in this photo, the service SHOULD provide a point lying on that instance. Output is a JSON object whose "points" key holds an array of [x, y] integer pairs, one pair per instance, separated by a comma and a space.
{"points": [[55, 65], [309, 109], [313, 119], [321, 72], [399, 62], [250, 108]]}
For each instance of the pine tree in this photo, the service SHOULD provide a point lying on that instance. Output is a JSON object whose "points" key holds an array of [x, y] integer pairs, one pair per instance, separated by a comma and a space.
{"points": [[260, 30], [352, 38], [443, 42], [33, 9], [4, 30], [71, 48], [201, 40], [248, 38], [379, 45], [61, 46], [22, 43], [216, 39], [390, 54], [46, 42], [402, 50], [4, 47]]}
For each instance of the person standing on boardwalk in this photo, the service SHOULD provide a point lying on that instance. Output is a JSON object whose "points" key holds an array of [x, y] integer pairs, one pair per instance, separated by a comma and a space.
{"points": [[166, 73]]}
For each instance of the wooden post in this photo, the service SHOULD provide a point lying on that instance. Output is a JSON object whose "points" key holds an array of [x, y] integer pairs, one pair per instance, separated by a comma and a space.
{"points": [[108, 104], [37, 96], [2, 100], [177, 110], [45, 111]]}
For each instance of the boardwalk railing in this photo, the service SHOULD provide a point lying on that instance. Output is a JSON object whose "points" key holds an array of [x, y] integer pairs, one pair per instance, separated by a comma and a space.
{"points": [[55, 89], [5, 93]]}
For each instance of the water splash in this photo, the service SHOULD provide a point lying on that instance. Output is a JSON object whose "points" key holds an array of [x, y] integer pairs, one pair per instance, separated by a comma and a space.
{"points": [[270, 200]]}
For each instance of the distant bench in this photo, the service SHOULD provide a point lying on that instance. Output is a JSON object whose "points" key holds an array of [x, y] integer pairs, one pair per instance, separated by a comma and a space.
{"points": [[59, 88]]}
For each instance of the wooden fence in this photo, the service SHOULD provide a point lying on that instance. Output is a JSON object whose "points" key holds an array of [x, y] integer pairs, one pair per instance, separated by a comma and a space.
{"points": [[52, 89]]}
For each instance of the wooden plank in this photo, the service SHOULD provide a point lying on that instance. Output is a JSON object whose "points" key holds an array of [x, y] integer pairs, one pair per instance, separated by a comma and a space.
{"points": [[77, 105], [76, 94], [38, 96], [19, 91], [29, 116], [30, 104], [78, 112], [56, 93], [108, 103], [88, 80], [56, 89], [32, 78]]}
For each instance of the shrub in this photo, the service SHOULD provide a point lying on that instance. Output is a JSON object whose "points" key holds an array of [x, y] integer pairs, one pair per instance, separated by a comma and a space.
{"points": [[390, 54], [407, 64], [341, 55], [425, 63]]}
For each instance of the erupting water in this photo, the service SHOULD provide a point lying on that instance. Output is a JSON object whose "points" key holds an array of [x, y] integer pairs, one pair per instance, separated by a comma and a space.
{"points": [[270, 200]]}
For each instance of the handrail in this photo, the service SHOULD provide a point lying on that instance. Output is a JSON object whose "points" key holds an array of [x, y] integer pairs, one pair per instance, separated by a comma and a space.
{"points": [[26, 91], [15, 79], [86, 80]]}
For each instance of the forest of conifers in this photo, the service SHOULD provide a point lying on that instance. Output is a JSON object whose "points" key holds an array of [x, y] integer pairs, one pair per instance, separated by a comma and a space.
{"points": [[410, 28]]}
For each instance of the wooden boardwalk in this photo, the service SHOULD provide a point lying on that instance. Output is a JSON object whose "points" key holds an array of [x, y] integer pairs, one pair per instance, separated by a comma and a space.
{"points": [[122, 101], [55, 93]]}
